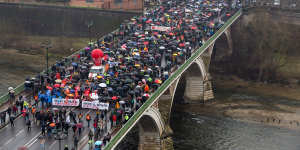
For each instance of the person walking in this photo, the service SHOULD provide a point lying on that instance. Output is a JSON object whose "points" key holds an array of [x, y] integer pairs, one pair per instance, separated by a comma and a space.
{"points": [[91, 134], [9, 110], [28, 123], [11, 119], [43, 129], [88, 119], [76, 142]]}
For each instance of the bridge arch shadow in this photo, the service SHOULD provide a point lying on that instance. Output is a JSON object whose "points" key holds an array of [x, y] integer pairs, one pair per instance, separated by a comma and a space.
{"points": [[223, 47], [146, 134]]}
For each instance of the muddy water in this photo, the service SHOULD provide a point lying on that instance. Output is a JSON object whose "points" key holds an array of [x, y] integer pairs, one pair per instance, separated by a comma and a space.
{"points": [[201, 132], [208, 131]]}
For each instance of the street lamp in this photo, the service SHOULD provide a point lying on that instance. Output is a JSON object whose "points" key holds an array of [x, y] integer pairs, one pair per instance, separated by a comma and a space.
{"points": [[46, 44], [89, 24], [60, 136]]}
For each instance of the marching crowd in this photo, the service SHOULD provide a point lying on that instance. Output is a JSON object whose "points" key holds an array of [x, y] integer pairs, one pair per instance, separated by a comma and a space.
{"points": [[135, 61]]}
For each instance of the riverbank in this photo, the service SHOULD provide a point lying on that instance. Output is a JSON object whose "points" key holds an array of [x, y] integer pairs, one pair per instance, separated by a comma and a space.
{"points": [[271, 104], [28, 59]]}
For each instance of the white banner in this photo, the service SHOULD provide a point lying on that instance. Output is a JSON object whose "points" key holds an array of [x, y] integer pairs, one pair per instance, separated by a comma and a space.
{"points": [[160, 28], [65, 102], [95, 105]]}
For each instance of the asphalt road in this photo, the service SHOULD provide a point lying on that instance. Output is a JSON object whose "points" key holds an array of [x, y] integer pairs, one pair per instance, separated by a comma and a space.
{"points": [[11, 138]]}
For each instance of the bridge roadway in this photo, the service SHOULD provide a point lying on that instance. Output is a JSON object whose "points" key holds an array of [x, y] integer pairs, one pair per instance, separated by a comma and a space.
{"points": [[154, 97], [15, 137]]}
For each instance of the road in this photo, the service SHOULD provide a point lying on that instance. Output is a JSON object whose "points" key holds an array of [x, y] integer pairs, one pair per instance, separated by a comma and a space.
{"points": [[14, 137]]}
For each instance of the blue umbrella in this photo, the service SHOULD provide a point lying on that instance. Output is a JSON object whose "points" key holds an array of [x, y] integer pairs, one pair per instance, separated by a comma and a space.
{"points": [[74, 64], [98, 143]]}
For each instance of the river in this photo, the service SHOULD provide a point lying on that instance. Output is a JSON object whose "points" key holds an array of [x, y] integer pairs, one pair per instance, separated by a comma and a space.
{"points": [[202, 132]]}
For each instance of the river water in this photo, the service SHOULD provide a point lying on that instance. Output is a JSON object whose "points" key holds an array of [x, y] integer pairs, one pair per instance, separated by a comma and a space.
{"points": [[200, 132]]}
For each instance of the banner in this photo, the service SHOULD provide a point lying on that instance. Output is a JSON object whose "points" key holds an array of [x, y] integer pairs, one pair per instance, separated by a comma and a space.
{"points": [[65, 102], [95, 105], [160, 28]]}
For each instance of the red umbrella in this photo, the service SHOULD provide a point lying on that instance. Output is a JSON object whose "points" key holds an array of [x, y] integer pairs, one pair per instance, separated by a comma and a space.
{"points": [[105, 58], [148, 21], [56, 85], [181, 45], [193, 27], [171, 34], [158, 81], [114, 98], [146, 42], [49, 88]]}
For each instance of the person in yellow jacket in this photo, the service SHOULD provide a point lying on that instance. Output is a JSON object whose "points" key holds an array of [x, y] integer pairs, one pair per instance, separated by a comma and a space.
{"points": [[117, 105]]}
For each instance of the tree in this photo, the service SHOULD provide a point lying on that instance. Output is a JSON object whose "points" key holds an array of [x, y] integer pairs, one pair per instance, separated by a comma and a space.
{"points": [[269, 46]]}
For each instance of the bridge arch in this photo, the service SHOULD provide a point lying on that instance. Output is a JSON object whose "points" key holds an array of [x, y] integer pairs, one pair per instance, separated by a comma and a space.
{"points": [[191, 82], [151, 127], [225, 39]]}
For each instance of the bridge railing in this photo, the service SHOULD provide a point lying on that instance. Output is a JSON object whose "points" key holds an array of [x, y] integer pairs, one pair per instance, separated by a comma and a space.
{"points": [[21, 87], [138, 114]]}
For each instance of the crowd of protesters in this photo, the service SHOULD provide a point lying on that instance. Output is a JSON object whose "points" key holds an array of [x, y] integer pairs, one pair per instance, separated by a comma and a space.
{"points": [[136, 60]]}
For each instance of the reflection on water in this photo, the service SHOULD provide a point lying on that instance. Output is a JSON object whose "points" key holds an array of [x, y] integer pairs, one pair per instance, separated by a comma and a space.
{"points": [[195, 132]]}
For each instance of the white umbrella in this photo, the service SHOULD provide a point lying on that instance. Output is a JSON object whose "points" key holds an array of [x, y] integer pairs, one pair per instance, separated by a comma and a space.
{"points": [[58, 80], [103, 85], [161, 47], [122, 102]]}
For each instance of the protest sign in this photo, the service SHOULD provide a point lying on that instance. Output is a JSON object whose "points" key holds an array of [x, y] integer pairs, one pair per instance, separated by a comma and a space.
{"points": [[65, 102], [95, 105]]}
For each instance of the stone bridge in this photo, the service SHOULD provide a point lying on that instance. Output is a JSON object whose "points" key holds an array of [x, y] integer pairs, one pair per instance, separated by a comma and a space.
{"points": [[153, 118]]}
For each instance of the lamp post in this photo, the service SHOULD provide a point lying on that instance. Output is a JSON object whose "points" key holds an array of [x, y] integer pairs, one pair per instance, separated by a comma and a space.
{"points": [[60, 136], [89, 24], [47, 44]]}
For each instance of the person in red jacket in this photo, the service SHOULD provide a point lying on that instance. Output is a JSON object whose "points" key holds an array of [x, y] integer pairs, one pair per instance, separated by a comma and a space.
{"points": [[95, 124], [114, 118]]}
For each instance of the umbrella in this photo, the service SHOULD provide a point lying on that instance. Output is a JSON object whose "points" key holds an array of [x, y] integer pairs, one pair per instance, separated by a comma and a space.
{"points": [[193, 27], [55, 109], [56, 85], [52, 124], [58, 80], [74, 64], [103, 85], [98, 143], [114, 98], [158, 81], [49, 88], [122, 102], [161, 47]]}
